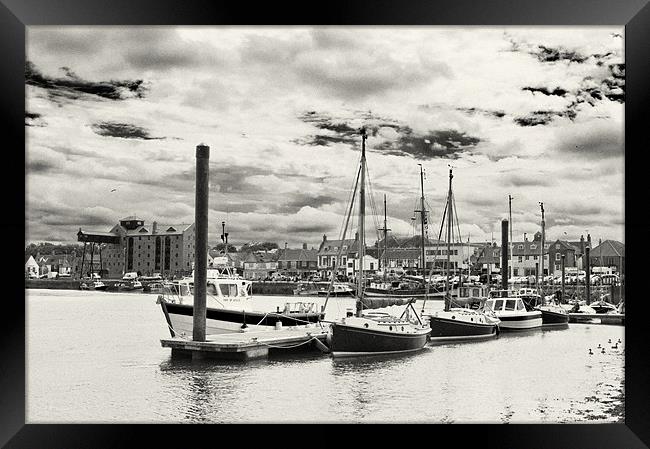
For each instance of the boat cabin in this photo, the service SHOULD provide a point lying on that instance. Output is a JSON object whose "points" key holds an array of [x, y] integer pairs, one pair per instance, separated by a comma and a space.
{"points": [[507, 304]]}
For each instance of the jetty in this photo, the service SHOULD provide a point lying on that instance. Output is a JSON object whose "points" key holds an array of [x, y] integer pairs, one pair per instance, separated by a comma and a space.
{"points": [[249, 345]]}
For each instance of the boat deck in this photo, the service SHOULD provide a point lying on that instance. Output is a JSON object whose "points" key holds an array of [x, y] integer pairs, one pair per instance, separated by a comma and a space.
{"points": [[249, 345]]}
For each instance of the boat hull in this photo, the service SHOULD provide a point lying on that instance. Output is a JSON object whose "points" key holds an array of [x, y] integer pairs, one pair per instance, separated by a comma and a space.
{"points": [[346, 293], [355, 341], [520, 322], [180, 319], [551, 318], [445, 329]]}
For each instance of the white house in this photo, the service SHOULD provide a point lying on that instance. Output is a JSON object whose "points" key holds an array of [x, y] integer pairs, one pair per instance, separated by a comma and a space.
{"points": [[31, 267]]}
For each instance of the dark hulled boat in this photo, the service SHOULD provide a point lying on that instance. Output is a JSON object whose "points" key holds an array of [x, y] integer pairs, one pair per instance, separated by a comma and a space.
{"points": [[458, 323], [373, 334], [356, 336], [552, 314]]}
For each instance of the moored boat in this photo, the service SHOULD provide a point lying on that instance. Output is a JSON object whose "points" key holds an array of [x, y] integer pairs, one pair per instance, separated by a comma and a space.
{"points": [[458, 323], [229, 307], [512, 312], [552, 314], [357, 335]]}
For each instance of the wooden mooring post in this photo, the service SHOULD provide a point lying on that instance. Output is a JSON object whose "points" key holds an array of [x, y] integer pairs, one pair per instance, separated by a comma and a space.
{"points": [[200, 245]]}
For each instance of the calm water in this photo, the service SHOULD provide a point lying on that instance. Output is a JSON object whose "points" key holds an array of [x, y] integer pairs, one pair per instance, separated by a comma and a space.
{"points": [[95, 357]]}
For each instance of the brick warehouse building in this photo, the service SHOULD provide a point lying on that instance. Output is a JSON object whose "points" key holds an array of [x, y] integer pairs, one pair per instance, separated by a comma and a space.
{"points": [[133, 246]]}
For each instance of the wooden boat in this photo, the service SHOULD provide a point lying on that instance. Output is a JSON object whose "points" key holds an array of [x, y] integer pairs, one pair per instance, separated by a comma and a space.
{"points": [[458, 323], [357, 335]]}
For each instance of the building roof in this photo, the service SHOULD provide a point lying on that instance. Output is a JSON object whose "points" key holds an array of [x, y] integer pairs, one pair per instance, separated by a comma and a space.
{"points": [[608, 248], [402, 253], [162, 229], [298, 254], [416, 242], [332, 247], [528, 248]]}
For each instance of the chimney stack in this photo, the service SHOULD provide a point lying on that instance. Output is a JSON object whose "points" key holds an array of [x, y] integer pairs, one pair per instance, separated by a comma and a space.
{"points": [[589, 240], [155, 227], [324, 238], [304, 246]]}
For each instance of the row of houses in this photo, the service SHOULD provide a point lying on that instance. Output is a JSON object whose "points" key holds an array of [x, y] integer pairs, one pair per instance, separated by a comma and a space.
{"points": [[133, 245], [525, 255]]}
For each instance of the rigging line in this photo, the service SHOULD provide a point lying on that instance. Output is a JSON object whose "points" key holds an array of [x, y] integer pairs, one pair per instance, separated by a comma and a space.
{"points": [[334, 269]]}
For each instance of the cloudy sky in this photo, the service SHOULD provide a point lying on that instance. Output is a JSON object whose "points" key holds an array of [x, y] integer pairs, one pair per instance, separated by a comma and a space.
{"points": [[114, 114]]}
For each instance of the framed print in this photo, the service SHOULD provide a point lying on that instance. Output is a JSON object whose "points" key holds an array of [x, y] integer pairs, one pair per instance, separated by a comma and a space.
{"points": [[414, 214]]}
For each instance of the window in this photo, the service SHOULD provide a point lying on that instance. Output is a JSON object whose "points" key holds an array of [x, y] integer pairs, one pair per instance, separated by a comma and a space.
{"points": [[498, 304], [534, 257], [533, 246], [510, 304], [520, 305], [520, 259], [557, 256], [557, 246], [520, 246], [228, 289], [528, 257]]}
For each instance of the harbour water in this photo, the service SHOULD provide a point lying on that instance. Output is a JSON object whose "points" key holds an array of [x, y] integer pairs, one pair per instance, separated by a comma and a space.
{"points": [[95, 357]]}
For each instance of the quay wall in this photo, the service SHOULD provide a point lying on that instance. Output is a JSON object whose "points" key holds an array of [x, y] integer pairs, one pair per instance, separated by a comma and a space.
{"points": [[259, 288]]}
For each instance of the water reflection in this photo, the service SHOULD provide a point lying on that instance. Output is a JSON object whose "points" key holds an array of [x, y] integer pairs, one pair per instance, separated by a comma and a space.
{"points": [[544, 375]]}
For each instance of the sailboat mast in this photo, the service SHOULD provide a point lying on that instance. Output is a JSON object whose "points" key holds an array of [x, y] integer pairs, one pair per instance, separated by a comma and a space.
{"points": [[449, 212], [362, 213], [385, 241], [509, 243], [422, 212], [541, 250]]}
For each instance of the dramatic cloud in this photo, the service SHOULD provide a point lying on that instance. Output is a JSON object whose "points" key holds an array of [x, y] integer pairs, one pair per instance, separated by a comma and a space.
{"points": [[73, 87], [122, 130], [115, 113]]}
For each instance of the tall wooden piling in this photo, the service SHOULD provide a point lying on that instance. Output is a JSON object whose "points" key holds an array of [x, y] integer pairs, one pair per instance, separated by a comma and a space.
{"points": [[504, 254], [563, 262], [201, 241], [587, 276]]}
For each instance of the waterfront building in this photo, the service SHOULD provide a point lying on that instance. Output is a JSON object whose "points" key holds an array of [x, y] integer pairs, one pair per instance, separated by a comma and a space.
{"points": [[133, 246], [609, 253], [62, 264], [260, 265], [31, 267], [525, 256], [334, 253], [300, 263], [486, 257], [406, 253], [571, 252]]}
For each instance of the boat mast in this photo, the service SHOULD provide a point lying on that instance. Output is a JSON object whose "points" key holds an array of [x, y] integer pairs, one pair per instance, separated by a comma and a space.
{"points": [[362, 212], [385, 240], [541, 250], [422, 212], [510, 243], [449, 212]]}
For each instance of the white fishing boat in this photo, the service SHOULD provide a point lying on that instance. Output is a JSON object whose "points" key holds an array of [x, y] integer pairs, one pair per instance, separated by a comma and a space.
{"points": [[229, 306], [512, 312]]}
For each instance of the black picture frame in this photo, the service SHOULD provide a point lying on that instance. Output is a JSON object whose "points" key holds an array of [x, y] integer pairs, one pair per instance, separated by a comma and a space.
{"points": [[15, 15]]}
